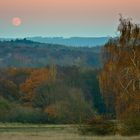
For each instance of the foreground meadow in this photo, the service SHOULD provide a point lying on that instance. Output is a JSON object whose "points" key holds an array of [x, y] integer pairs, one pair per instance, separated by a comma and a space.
{"points": [[49, 132]]}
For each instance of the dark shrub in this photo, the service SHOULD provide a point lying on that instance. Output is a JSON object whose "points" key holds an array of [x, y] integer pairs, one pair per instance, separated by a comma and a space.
{"points": [[12, 112], [99, 126], [5, 106], [131, 124], [26, 115]]}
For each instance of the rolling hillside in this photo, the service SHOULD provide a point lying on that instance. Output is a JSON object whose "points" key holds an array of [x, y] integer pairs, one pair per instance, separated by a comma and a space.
{"points": [[25, 53]]}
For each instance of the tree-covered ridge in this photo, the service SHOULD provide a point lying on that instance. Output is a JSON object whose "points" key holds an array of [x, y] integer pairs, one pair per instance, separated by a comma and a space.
{"points": [[25, 53]]}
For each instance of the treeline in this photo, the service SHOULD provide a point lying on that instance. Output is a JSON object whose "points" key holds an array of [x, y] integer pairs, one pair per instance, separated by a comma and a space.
{"points": [[52, 94]]}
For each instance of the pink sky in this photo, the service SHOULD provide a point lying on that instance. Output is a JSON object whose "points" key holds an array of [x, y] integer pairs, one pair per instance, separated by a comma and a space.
{"points": [[66, 17]]}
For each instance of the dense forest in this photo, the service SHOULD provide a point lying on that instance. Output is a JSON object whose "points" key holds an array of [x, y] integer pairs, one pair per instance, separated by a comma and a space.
{"points": [[45, 83], [52, 94]]}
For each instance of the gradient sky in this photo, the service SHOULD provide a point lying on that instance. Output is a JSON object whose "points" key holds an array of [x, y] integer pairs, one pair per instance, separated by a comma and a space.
{"points": [[65, 17]]}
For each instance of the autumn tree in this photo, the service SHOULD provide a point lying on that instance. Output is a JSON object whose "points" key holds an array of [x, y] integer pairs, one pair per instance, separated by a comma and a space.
{"points": [[17, 75], [36, 78], [120, 77]]}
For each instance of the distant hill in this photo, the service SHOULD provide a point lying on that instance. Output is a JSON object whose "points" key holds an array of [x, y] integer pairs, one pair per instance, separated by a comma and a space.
{"points": [[26, 53], [73, 41]]}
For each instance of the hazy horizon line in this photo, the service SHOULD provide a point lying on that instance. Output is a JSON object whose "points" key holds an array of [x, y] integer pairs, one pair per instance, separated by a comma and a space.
{"points": [[64, 37]]}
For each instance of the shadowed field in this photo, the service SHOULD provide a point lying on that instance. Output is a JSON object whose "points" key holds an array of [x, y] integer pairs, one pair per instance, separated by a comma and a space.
{"points": [[49, 132]]}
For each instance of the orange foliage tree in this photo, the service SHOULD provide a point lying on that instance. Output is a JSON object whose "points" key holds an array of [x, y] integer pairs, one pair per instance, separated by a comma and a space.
{"points": [[120, 77], [36, 78]]}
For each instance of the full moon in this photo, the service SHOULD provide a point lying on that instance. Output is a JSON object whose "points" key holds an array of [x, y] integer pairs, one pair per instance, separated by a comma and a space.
{"points": [[16, 21]]}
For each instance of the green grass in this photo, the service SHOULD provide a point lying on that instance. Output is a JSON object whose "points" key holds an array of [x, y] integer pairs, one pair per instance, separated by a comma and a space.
{"points": [[49, 132]]}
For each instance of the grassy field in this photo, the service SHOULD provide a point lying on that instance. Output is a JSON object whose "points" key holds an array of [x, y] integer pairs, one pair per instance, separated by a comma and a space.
{"points": [[49, 132]]}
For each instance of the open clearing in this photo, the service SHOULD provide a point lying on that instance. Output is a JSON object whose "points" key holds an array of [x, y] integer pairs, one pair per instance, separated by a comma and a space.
{"points": [[49, 132]]}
